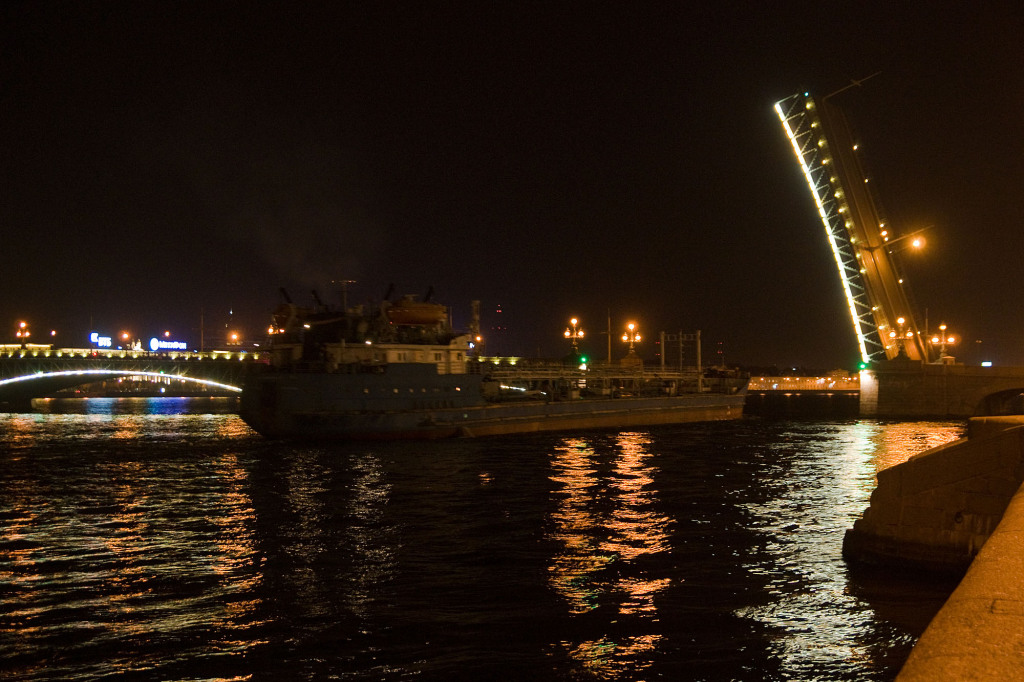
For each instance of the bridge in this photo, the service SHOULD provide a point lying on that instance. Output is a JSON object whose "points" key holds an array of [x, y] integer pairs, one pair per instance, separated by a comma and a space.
{"points": [[802, 384], [36, 371], [862, 243], [903, 373]]}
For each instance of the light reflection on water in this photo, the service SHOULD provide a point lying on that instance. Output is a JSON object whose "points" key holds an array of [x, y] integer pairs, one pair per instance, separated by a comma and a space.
{"points": [[111, 551], [893, 443], [372, 538], [619, 507], [183, 546], [171, 405], [821, 622]]}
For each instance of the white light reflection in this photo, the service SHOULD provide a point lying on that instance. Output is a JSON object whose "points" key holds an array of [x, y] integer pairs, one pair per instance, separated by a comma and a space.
{"points": [[373, 542], [604, 533], [827, 482], [306, 481]]}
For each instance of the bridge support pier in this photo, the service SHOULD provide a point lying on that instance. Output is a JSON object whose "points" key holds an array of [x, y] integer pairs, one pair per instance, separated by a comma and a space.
{"points": [[908, 388]]}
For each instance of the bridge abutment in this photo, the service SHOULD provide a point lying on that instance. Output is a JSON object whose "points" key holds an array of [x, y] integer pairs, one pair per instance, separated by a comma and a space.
{"points": [[937, 509], [958, 507], [905, 388]]}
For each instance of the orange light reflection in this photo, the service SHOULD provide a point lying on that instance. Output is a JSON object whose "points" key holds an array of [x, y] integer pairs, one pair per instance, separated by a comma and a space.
{"points": [[598, 528]]}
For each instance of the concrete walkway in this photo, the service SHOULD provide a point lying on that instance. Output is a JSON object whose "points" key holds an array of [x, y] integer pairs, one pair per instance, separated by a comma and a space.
{"points": [[979, 633]]}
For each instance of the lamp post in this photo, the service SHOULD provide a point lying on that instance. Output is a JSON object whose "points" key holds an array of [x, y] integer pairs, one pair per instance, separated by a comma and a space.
{"points": [[574, 333], [941, 340], [22, 333], [916, 241], [901, 337], [632, 336]]}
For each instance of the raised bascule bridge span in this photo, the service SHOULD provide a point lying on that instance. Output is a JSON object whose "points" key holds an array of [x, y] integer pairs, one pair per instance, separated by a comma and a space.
{"points": [[37, 372], [955, 508], [903, 373]]}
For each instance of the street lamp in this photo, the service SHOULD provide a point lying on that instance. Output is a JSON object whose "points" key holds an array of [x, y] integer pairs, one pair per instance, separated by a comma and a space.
{"points": [[574, 333], [632, 335], [942, 339], [916, 240], [901, 337], [23, 333]]}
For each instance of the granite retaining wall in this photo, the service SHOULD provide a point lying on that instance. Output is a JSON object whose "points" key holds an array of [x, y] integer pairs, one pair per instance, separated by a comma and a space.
{"points": [[959, 507]]}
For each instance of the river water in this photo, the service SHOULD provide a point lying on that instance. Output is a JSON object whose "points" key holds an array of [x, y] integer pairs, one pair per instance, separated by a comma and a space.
{"points": [[162, 539]]}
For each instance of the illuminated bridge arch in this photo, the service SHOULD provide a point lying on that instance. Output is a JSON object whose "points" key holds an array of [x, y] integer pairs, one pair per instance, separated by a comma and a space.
{"points": [[31, 373], [78, 377]]}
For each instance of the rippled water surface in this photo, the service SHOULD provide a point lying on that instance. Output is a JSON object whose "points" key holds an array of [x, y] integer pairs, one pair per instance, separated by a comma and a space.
{"points": [[140, 542]]}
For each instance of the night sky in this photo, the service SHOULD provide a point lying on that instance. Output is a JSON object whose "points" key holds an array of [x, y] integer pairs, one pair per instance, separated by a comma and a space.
{"points": [[166, 162]]}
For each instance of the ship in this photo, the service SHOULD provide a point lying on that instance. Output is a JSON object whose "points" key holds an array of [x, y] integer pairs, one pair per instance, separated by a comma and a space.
{"points": [[398, 370]]}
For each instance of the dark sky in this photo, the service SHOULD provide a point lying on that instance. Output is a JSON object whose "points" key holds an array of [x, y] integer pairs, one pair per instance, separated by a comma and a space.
{"points": [[163, 159]]}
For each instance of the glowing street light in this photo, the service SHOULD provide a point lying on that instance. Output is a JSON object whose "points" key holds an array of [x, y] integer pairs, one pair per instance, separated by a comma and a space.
{"points": [[916, 240], [632, 335], [942, 339], [22, 332], [574, 334], [901, 337]]}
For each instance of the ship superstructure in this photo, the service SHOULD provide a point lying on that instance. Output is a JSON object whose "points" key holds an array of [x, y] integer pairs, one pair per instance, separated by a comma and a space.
{"points": [[399, 370]]}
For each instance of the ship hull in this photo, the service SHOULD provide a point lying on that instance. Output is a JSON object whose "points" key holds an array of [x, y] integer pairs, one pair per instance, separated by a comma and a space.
{"points": [[315, 407]]}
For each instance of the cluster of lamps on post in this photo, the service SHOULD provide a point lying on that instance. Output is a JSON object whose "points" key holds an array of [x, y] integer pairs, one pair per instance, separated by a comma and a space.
{"points": [[940, 339], [22, 332], [574, 332]]}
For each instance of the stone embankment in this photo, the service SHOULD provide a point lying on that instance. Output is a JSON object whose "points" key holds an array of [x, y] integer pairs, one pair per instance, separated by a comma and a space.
{"points": [[936, 510], [954, 508]]}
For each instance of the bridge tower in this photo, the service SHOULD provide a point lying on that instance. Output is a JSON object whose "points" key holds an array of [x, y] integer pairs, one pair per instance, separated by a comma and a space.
{"points": [[861, 243]]}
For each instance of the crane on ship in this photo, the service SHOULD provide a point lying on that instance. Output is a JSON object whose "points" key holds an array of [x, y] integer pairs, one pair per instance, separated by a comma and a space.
{"points": [[876, 293]]}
